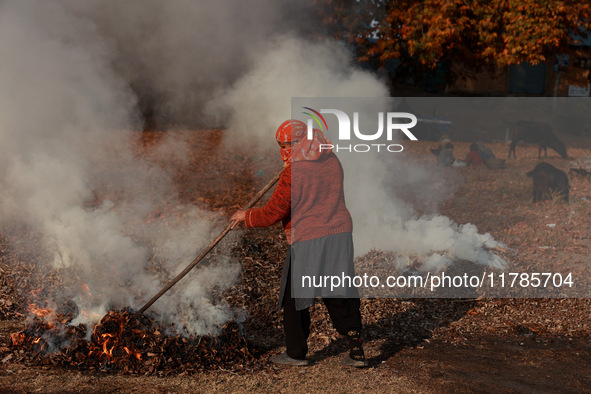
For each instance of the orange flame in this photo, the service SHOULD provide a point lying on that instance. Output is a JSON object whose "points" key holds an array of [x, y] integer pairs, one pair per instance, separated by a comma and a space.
{"points": [[107, 338], [37, 340], [41, 312], [108, 352], [137, 355]]}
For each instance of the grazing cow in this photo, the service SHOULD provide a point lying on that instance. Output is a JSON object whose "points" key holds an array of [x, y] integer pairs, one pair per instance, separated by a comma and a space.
{"points": [[547, 180], [536, 132]]}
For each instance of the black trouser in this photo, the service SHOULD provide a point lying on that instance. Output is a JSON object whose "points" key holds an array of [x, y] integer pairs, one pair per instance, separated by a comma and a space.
{"points": [[344, 313]]}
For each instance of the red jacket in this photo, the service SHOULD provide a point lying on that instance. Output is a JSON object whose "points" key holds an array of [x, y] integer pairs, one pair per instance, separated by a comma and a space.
{"points": [[309, 200], [474, 158]]}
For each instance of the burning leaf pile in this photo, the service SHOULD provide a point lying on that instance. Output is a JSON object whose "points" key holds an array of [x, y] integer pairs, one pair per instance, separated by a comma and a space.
{"points": [[126, 343]]}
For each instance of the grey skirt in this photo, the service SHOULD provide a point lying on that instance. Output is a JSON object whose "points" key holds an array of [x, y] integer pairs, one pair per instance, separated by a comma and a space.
{"points": [[321, 267]]}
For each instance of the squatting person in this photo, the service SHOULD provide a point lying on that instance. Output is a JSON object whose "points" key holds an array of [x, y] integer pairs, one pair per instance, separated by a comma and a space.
{"points": [[309, 201]]}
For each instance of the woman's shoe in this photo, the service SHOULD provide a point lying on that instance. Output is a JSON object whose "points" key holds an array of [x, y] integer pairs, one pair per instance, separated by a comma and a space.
{"points": [[284, 359], [354, 363]]}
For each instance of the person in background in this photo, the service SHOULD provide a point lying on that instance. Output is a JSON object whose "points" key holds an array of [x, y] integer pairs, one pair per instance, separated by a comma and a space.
{"points": [[309, 201], [473, 158], [446, 156], [485, 152]]}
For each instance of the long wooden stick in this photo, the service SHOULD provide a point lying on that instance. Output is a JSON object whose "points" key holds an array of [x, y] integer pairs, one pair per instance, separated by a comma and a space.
{"points": [[208, 249]]}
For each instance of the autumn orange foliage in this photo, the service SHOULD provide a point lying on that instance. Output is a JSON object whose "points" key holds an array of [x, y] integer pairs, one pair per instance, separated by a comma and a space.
{"points": [[476, 34]]}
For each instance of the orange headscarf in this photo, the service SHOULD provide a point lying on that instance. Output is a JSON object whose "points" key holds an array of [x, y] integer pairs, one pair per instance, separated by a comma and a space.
{"points": [[302, 148]]}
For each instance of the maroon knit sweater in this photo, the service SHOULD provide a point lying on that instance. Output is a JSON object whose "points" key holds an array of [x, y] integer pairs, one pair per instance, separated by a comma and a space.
{"points": [[312, 191]]}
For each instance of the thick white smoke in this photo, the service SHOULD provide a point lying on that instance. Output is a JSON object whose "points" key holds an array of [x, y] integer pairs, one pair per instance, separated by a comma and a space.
{"points": [[382, 221], [73, 78], [291, 67], [294, 67], [68, 173]]}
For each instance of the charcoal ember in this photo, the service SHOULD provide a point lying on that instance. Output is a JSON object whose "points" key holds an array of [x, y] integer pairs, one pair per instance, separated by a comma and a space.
{"points": [[123, 342]]}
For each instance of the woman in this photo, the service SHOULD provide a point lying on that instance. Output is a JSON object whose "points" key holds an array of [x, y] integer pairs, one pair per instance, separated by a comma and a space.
{"points": [[309, 201], [474, 157]]}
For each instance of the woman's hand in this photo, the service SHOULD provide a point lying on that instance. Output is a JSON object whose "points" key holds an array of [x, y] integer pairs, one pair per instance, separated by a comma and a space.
{"points": [[238, 217]]}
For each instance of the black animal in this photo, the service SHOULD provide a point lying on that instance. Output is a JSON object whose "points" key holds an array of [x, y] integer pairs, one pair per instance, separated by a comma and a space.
{"points": [[547, 180], [536, 132]]}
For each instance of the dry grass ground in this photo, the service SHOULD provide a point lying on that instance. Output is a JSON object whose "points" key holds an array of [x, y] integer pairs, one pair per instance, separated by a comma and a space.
{"points": [[414, 345]]}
